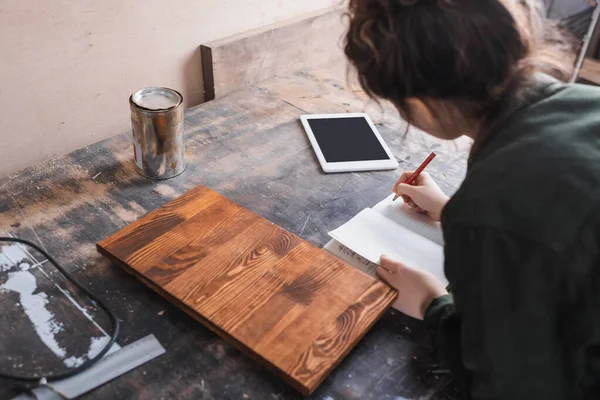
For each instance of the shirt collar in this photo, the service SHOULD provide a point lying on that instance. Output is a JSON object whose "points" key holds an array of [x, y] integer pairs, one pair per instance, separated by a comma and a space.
{"points": [[539, 87]]}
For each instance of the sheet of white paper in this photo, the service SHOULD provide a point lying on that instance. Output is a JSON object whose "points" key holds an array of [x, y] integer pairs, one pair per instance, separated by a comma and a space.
{"points": [[370, 234], [350, 257], [401, 213]]}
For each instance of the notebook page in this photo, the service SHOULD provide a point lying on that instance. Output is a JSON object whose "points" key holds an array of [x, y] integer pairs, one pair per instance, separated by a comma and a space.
{"points": [[370, 234], [401, 213]]}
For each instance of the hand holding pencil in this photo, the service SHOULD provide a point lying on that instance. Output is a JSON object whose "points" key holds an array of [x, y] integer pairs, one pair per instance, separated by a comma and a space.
{"points": [[420, 191]]}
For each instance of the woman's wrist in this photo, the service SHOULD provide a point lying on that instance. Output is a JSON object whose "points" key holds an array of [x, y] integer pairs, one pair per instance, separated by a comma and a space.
{"points": [[441, 204]]}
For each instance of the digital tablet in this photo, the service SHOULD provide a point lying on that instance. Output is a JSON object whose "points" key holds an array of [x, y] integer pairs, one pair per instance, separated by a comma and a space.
{"points": [[347, 142]]}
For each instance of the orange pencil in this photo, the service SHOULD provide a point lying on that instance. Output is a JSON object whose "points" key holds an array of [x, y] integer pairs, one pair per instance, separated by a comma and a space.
{"points": [[415, 176]]}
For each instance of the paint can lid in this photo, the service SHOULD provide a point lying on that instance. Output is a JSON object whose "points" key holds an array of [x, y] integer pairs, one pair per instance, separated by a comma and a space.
{"points": [[156, 98]]}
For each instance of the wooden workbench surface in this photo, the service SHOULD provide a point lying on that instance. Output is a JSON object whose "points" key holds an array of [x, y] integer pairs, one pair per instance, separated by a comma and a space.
{"points": [[250, 147]]}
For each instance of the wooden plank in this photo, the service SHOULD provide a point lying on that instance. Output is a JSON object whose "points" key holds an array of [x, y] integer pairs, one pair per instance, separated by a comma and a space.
{"points": [[286, 303], [310, 41], [590, 71], [208, 72]]}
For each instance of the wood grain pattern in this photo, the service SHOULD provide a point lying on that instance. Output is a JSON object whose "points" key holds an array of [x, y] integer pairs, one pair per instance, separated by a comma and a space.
{"points": [[590, 71], [312, 40], [286, 303]]}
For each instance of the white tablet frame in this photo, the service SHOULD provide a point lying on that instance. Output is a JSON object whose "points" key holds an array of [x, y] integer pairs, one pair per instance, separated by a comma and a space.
{"points": [[350, 166]]}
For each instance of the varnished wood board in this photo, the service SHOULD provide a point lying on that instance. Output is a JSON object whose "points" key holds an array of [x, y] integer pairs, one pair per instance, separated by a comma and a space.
{"points": [[289, 305], [308, 41]]}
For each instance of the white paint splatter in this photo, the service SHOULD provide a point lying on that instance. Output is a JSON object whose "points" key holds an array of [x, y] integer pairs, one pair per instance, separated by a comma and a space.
{"points": [[96, 346], [98, 343], [5, 263], [24, 283], [34, 305], [74, 362], [10, 256]]}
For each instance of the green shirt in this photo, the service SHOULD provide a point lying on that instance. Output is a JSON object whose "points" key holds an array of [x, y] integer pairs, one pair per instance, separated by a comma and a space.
{"points": [[522, 247]]}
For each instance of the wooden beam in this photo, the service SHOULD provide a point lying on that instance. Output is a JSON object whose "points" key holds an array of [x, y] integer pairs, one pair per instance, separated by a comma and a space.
{"points": [[207, 73], [311, 41], [590, 71]]}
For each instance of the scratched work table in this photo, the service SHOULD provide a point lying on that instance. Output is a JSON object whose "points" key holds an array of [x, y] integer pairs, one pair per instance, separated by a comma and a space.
{"points": [[250, 147]]}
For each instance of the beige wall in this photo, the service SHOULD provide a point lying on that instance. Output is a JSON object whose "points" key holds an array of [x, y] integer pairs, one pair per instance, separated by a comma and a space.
{"points": [[67, 67]]}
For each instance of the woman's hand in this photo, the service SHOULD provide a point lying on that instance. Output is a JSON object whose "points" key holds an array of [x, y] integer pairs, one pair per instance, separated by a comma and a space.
{"points": [[416, 288], [425, 197]]}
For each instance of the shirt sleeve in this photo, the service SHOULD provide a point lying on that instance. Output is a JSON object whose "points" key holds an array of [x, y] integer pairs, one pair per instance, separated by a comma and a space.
{"points": [[500, 333]]}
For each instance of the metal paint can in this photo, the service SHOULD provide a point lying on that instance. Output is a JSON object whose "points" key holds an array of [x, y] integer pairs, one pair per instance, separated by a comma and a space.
{"points": [[157, 128]]}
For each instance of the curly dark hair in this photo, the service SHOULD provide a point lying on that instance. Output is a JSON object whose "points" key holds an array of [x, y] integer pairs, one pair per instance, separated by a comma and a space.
{"points": [[472, 53]]}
